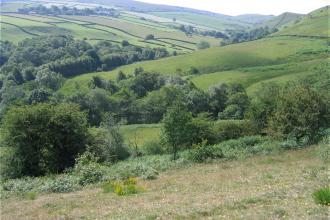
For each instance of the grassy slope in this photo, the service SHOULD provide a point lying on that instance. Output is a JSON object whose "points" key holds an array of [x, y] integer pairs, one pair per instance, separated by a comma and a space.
{"points": [[263, 187], [267, 51], [215, 22], [251, 78], [315, 23], [281, 20]]}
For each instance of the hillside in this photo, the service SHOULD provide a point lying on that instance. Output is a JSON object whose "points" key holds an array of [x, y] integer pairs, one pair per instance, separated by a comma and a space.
{"points": [[268, 51], [263, 187], [281, 20], [224, 64], [314, 24]]}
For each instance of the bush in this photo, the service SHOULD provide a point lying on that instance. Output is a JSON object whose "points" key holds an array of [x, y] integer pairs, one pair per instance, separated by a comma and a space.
{"points": [[60, 184], [43, 138], [242, 147], [232, 129], [87, 170], [324, 149], [107, 144], [201, 152], [322, 196], [301, 113], [203, 45], [121, 188], [152, 148]]}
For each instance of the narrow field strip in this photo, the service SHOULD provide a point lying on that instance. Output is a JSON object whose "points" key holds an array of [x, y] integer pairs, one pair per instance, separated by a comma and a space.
{"points": [[21, 28]]}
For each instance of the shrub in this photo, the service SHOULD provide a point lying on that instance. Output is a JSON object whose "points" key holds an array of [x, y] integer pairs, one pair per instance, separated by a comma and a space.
{"points": [[300, 113], [30, 195], [242, 147], [322, 196], [232, 129], [60, 184], [324, 149], [107, 144], [201, 152], [121, 188], [43, 138], [150, 37], [152, 147], [203, 45], [87, 170]]}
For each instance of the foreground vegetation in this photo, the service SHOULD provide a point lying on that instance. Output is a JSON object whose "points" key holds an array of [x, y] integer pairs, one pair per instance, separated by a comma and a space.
{"points": [[261, 187], [245, 130]]}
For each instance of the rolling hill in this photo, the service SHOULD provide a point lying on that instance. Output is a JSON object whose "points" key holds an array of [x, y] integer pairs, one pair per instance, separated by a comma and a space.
{"points": [[314, 24], [281, 20], [236, 62]]}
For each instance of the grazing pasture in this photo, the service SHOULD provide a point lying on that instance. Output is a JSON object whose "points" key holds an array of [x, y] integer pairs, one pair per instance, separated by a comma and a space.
{"points": [[225, 63], [261, 187]]}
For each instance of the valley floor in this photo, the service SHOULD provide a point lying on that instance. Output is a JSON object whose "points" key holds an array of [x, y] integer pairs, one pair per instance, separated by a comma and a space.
{"points": [[263, 187]]}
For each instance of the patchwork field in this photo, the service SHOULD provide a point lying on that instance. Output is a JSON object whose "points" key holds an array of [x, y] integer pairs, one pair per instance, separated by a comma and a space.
{"points": [[214, 22], [263, 187], [94, 28]]}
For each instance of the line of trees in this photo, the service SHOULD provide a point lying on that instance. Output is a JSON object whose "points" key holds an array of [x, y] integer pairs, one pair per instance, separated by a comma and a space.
{"points": [[55, 10], [242, 36]]}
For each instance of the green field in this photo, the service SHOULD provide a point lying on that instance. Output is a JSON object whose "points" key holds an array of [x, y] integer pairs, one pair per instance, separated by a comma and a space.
{"points": [[228, 60], [95, 28], [140, 134], [253, 77], [314, 24], [214, 22]]}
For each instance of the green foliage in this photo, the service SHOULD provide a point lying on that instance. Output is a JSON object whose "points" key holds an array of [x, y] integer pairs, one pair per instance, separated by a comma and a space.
{"points": [[107, 144], [201, 152], [87, 170], [177, 127], [149, 37], [43, 138], [324, 149], [246, 146], [60, 184], [203, 45], [232, 129], [152, 147], [297, 111], [30, 195], [123, 188], [301, 112], [322, 196]]}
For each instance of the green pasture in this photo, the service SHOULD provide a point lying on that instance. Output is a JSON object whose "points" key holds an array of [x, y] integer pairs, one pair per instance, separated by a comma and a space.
{"points": [[253, 77], [139, 134], [140, 31], [264, 52], [215, 22], [22, 22], [314, 24], [12, 33]]}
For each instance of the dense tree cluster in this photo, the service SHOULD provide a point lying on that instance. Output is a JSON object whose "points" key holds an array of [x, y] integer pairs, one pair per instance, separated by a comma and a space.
{"points": [[144, 97], [55, 10], [189, 30], [242, 36], [46, 61], [43, 138]]}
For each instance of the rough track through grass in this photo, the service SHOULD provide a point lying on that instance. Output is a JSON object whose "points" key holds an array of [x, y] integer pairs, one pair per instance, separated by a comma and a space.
{"points": [[263, 187]]}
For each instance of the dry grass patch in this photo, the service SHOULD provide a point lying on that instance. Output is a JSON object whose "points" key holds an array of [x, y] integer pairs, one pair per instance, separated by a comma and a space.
{"points": [[268, 187]]}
